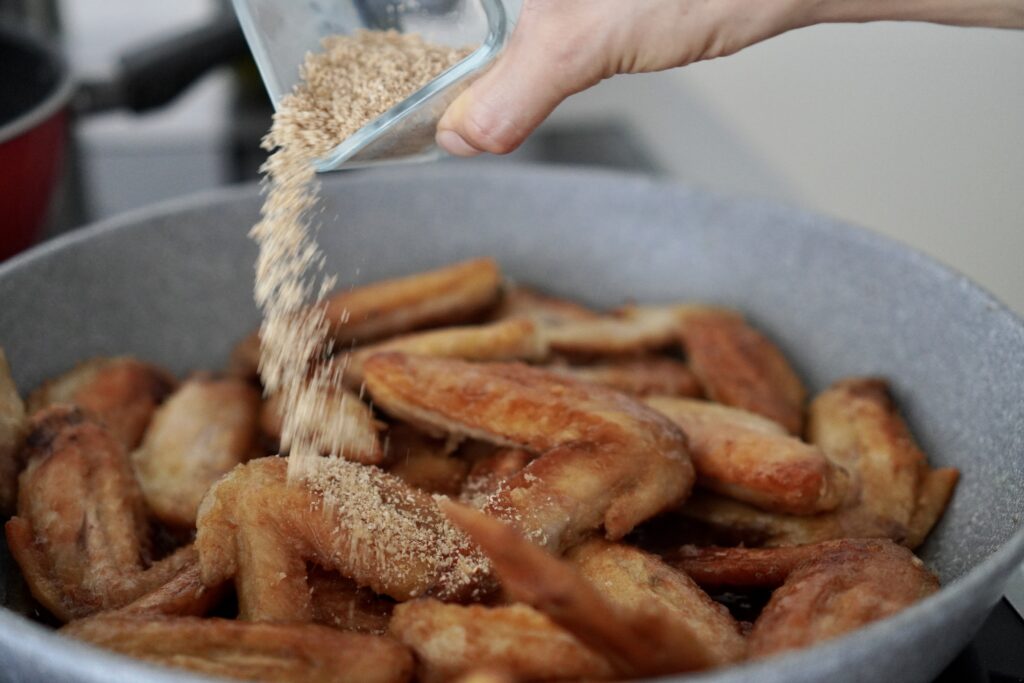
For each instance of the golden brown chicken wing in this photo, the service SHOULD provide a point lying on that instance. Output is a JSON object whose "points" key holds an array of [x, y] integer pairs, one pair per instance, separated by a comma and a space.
{"points": [[81, 535], [892, 492], [635, 583], [847, 585], [122, 393], [279, 653], [644, 376], [453, 640], [515, 339], [740, 367], [520, 301], [424, 462], [335, 420], [637, 640], [606, 459], [206, 428], [751, 458], [357, 520], [448, 295], [341, 603]]}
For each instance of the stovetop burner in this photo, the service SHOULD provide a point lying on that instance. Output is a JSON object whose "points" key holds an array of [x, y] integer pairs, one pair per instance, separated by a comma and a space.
{"points": [[996, 655]]}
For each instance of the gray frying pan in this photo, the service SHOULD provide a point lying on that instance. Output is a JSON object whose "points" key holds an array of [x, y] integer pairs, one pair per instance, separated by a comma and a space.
{"points": [[173, 284]]}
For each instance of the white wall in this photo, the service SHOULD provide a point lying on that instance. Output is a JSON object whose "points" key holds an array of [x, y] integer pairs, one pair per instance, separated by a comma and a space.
{"points": [[914, 130]]}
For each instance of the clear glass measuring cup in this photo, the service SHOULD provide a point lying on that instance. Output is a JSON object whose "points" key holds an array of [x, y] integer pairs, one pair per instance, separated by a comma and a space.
{"points": [[281, 32]]}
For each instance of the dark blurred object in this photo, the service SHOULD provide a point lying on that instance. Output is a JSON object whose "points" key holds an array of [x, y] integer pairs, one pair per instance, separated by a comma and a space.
{"points": [[41, 17], [37, 92]]}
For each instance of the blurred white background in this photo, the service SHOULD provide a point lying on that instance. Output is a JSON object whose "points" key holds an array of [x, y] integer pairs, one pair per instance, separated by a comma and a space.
{"points": [[915, 131]]}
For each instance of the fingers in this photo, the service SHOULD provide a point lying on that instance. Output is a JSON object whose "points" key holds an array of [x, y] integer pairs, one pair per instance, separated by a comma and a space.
{"points": [[538, 69]]}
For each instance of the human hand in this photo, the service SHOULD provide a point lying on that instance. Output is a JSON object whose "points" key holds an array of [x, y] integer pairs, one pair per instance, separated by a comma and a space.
{"points": [[561, 47]]}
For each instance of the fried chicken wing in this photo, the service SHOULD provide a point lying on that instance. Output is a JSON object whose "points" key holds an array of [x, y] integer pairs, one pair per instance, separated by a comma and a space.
{"points": [[424, 462], [122, 393], [280, 653], [645, 376], [714, 567], [357, 520], [857, 425], [183, 595], [846, 586], [13, 427], [740, 367], [515, 339], [337, 421], [856, 421], [449, 295], [750, 458], [519, 301], [341, 603], [636, 583], [81, 535], [631, 330], [637, 642], [203, 430], [454, 640], [490, 470], [606, 459]]}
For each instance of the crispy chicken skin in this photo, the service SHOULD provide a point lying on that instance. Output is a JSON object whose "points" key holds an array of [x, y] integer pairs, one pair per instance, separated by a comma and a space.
{"points": [[13, 427], [282, 653], [631, 330], [848, 584], [183, 595], [341, 425], [893, 493], [424, 462], [203, 430], [515, 339], [490, 470], [452, 640], [636, 642], [644, 376], [260, 530], [341, 603], [738, 366], [751, 458], [605, 459], [81, 535], [122, 393], [520, 301], [449, 295], [635, 582]]}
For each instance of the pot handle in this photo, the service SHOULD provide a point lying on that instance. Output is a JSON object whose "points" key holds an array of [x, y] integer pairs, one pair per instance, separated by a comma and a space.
{"points": [[153, 75]]}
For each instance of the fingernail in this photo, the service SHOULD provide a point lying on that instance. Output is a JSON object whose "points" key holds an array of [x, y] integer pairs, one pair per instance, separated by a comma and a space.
{"points": [[452, 142]]}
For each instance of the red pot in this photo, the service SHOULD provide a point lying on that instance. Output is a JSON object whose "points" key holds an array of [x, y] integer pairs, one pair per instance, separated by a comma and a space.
{"points": [[36, 89], [37, 98]]}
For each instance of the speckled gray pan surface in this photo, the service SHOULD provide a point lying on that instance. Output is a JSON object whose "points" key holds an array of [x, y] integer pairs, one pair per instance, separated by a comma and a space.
{"points": [[173, 284]]}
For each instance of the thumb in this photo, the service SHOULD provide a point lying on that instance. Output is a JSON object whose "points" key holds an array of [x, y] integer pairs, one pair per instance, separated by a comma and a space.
{"points": [[501, 108]]}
